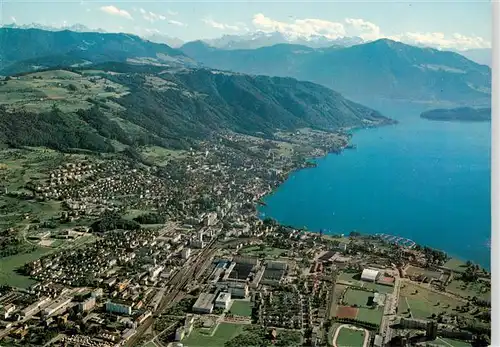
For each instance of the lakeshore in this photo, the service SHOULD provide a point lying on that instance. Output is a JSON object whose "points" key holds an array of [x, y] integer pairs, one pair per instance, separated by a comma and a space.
{"points": [[435, 193]]}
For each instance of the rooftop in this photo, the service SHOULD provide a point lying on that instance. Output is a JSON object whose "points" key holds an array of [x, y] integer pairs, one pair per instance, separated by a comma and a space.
{"points": [[205, 300]]}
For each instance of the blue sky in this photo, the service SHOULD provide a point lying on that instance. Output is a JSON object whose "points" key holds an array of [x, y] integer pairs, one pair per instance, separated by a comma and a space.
{"points": [[445, 24]]}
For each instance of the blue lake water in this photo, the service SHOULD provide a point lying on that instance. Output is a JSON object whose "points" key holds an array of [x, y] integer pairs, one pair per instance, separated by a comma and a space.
{"points": [[425, 180]]}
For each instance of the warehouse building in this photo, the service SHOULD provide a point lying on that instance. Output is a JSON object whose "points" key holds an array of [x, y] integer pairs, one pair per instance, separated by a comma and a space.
{"points": [[369, 275]]}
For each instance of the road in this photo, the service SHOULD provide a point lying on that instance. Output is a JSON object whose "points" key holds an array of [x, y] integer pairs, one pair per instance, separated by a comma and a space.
{"points": [[390, 311], [191, 270]]}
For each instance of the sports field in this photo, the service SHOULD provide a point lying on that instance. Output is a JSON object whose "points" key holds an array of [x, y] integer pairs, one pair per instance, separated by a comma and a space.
{"points": [[371, 315], [223, 333], [356, 297], [241, 308], [349, 337], [380, 288]]}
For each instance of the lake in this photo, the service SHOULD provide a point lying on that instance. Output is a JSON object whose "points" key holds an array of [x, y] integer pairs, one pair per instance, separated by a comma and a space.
{"points": [[425, 180]]}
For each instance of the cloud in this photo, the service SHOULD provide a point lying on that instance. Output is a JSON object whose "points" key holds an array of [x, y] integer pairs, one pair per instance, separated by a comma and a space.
{"points": [[151, 16], [222, 26], [176, 22], [115, 11], [442, 41], [172, 13], [365, 30], [13, 19], [368, 31], [300, 27]]}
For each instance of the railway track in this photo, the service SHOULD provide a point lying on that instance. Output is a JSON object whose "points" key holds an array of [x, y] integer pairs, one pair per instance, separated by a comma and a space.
{"points": [[178, 282]]}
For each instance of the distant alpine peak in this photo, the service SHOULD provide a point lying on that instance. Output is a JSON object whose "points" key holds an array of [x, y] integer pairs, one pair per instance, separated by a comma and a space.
{"points": [[259, 39], [75, 27]]}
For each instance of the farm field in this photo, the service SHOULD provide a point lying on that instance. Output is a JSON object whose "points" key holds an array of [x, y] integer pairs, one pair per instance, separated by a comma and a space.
{"points": [[349, 337], [241, 308], [224, 333], [423, 302], [463, 289], [8, 274], [37, 91], [455, 265], [161, 156]]}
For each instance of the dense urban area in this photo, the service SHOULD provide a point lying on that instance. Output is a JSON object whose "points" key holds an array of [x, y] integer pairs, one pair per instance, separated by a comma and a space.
{"points": [[119, 253]]}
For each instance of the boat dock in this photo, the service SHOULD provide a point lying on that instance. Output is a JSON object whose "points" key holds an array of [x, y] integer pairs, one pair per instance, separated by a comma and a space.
{"points": [[402, 241]]}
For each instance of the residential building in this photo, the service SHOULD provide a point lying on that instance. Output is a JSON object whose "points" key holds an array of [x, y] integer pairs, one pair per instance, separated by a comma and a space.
{"points": [[86, 305], [118, 308]]}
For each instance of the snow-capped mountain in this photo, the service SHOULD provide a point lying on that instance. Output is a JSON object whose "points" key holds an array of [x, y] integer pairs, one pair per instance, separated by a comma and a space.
{"points": [[260, 39], [75, 27], [161, 38]]}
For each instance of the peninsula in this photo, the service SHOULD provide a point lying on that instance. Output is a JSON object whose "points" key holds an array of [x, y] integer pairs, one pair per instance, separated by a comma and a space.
{"points": [[460, 114]]}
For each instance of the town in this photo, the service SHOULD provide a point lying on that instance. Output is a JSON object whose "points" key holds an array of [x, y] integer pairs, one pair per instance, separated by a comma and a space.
{"points": [[173, 252]]}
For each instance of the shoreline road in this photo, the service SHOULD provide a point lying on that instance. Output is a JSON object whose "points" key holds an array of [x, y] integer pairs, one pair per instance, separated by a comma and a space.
{"points": [[352, 327]]}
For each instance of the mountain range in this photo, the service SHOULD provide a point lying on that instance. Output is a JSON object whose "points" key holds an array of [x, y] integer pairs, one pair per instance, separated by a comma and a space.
{"points": [[164, 106], [381, 69], [253, 40], [261, 39], [32, 49]]}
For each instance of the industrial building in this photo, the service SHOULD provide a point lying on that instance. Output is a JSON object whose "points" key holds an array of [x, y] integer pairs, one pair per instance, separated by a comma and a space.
{"points": [[118, 308], [369, 275], [35, 307], [56, 306], [223, 300], [204, 304]]}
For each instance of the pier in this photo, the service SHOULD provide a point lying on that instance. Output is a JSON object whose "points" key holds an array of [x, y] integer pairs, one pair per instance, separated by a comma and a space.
{"points": [[398, 240]]}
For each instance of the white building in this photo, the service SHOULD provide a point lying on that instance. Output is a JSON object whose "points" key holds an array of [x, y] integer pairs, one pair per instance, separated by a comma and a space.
{"points": [[87, 305], [204, 304], [369, 275], [223, 300], [56, 306], [342, 246], [186, 253], [236, 289]]}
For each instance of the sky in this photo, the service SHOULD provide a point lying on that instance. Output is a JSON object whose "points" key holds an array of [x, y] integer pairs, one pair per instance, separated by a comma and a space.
{"points": [[442, 24]]}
